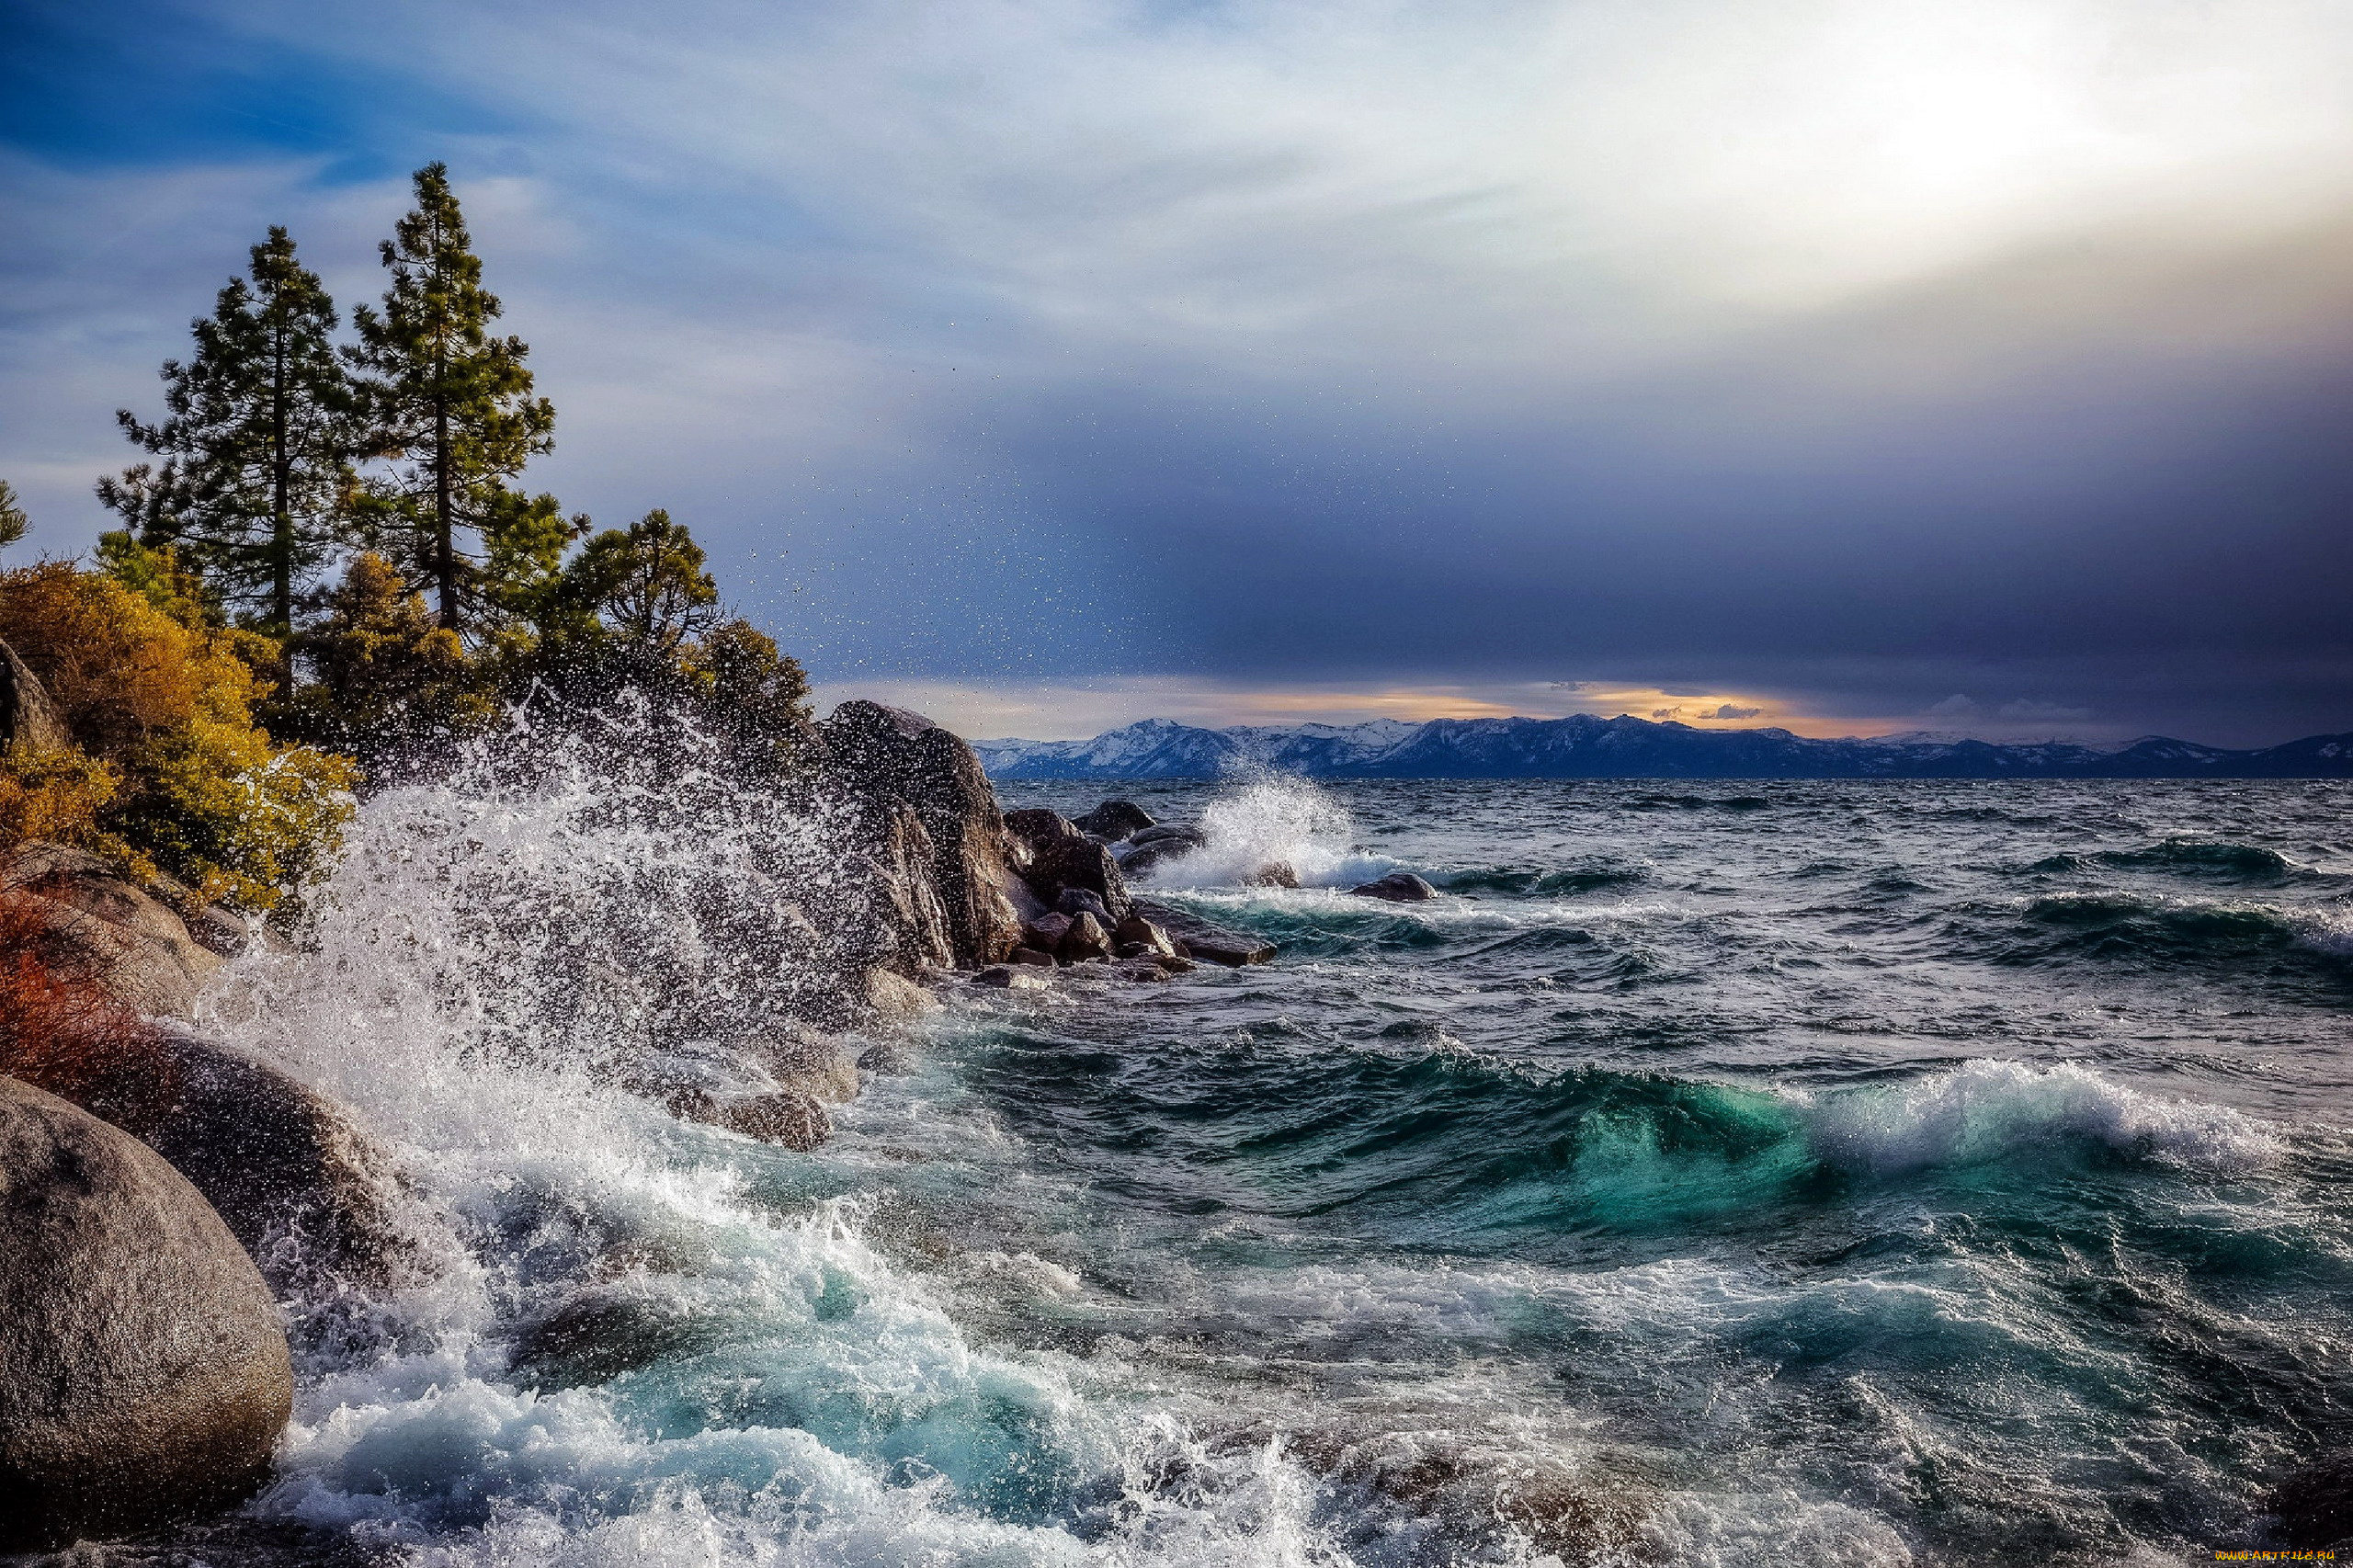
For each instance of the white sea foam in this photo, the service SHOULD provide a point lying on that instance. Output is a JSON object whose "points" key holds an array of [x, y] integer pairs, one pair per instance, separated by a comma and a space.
{"points": [[1269, 821], [2328, 930], [1983, 1109], [490, 951]]}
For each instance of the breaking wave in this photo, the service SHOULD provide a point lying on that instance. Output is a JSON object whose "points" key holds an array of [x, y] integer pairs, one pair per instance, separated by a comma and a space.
{"points": [[1273, 821]]}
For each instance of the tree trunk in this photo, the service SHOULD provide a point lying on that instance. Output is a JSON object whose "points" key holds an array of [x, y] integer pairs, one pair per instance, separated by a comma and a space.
{"points": [[445, 551], [281, 505]]}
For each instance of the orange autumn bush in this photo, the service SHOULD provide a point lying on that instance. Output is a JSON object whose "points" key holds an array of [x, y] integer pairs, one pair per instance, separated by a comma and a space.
{"points": [[172, 772]]}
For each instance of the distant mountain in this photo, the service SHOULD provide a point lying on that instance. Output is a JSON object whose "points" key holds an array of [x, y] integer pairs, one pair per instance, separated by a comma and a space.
{"points": [[1583, 746]]}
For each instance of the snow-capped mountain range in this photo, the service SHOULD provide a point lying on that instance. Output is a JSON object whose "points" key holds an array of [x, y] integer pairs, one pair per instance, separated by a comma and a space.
{"points": [[1583, 746]]}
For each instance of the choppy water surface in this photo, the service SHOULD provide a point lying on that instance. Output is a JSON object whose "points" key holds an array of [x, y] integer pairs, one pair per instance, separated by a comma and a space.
{"points": [[1756, 1172]]}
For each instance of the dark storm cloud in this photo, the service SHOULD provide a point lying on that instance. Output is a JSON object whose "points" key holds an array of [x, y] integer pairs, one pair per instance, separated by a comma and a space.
{"points": [[1838, 362]]}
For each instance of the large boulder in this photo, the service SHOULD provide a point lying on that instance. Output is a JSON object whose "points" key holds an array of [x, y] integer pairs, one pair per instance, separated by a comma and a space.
{"points": [[28, 717], [1061, 858], [887, 754], [144, 1375], [902, 864], [1114, 820], [101, 927], [1157, 844], [300, 1185]]}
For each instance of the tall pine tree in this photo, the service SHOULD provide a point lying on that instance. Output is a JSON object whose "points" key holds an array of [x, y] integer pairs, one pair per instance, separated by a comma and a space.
{"points": [[452, 415], [254, 480]]}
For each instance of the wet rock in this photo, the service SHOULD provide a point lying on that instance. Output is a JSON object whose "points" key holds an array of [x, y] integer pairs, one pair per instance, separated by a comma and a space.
{"points": [[789, 1121], [1141, 969], [282, 1163], [308, 1193], [28, 717], [1206, 939], [225, 935], [1136, 932], [806, 1062], [1076, 902], [886, 1056], [888, 998], [1031, 956], [1004, 977], [604, 1332], [902, 867], [1060, 858], [865, 998], [1114, 820], [1086, 940], [1046, 933], [1397, 887], [144, 1373], [2314, 1506], [786, 1118], [887, 754], [101, 927], [1273, 874], [1157, 846]]}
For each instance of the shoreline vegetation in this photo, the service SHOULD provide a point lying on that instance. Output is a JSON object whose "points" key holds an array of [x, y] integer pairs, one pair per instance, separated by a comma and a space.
{"points": [[331, 583]]}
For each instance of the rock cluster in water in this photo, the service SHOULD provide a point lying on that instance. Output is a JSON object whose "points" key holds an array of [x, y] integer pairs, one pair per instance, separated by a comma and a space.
{"points": [[1079, 910], [162, 1191]]}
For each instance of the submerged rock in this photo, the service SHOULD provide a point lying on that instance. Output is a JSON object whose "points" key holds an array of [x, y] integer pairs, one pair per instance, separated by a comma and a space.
{"points": [[1397, 887], [2314, 1506], [144, 1374], [1273, 874], [1114, 820], [786, 1119], [1205, 939], [1144, 970], [1004, 977]]}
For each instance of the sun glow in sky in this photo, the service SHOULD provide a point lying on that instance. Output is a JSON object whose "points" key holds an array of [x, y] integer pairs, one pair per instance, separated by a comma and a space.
{"points": [[1833, 359]]}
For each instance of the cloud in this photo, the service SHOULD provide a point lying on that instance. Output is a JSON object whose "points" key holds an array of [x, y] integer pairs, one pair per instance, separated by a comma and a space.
{"points": [[1388, 345], [1729, 710], [2026, 709]]}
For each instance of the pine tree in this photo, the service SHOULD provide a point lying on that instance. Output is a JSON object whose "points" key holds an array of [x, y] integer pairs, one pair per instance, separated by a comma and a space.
{"points": [[255, 480], [646, 586], [451, 412], [12, 516]]}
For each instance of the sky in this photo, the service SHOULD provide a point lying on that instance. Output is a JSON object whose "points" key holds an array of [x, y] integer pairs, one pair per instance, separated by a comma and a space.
{"points": [[1855, 366]]}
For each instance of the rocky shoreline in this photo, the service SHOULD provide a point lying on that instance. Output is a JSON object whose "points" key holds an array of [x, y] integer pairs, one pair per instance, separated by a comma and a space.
{"points": [[166, 1191]]}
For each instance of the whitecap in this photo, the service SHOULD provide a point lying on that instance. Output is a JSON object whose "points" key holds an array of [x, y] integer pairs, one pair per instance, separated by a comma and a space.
{"points": [[1984, 1109]]}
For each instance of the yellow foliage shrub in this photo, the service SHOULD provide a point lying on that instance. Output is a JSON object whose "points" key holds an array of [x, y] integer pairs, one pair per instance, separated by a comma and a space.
{"points": [[177, 771], [52, 794]]}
